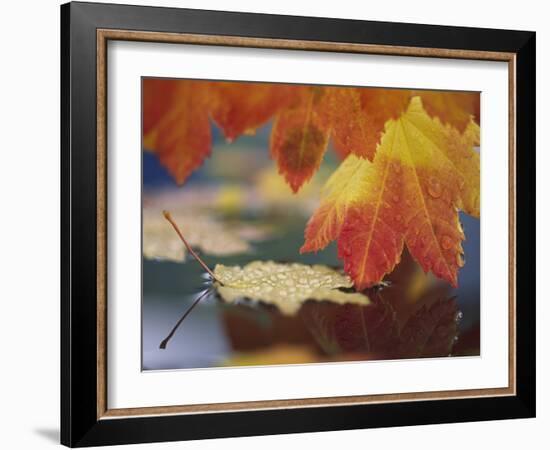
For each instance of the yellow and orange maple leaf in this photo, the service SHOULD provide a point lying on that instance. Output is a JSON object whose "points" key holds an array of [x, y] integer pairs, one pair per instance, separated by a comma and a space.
{"points": [[423, 172]]}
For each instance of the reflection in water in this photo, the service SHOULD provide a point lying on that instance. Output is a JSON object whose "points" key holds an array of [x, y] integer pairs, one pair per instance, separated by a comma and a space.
{"points": [[411, 316]]}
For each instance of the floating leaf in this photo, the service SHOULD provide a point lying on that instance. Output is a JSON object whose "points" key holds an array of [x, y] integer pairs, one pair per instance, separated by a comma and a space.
{"points": [[212, 237], [286, 286], [339, 319]]}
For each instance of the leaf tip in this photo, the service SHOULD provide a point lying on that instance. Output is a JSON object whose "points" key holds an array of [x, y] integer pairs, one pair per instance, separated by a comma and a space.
{"points": [[307, 247]]}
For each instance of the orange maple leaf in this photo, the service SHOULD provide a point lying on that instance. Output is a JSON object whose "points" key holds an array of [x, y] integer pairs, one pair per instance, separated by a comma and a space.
{"points": [[158, 98], [454, 108], [240, 108], [300, 136], [358, 116], [305, 117], [409, 194], [179, 133]]}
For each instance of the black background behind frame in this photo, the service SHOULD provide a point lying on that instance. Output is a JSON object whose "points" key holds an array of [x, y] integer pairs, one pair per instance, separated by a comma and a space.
{"points": [[79, 425]]}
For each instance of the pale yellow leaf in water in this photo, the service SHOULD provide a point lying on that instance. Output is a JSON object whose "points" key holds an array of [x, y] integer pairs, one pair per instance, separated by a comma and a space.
{"points": [[201, 231], [286, 286]]}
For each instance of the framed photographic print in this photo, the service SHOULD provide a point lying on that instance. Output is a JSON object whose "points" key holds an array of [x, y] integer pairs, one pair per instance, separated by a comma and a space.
{"points": [[276, 224]]}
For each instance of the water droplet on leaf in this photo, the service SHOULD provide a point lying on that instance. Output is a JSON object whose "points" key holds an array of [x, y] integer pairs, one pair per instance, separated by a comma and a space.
{"points": [[434, 188], [446, 242]]}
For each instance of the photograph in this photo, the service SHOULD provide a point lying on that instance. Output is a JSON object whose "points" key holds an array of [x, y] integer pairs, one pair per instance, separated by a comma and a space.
{"points": [[307, 224]]}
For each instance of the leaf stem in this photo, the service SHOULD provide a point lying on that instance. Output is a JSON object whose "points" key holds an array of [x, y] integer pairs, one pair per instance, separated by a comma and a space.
{"points": [[169, 218], [182, 318]]}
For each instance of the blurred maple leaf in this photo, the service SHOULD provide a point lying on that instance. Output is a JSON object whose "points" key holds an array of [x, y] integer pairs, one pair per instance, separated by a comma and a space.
{"points": [[178, 132], [305, 116], [205, 232], [454, 108], [240, 108], [300, 136]]}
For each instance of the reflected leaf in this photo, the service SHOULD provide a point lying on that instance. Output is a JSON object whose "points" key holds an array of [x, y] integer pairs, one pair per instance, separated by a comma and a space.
{"points": [[286, 286], [373, 332], [251, 328], [431, 331], [468, 343], [410, 317], [355, 329], [410, 288]]}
